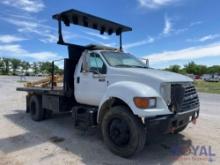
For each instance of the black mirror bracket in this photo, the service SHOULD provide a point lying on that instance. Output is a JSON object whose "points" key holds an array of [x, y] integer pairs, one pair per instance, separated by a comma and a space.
{"points": [[60, 40]]}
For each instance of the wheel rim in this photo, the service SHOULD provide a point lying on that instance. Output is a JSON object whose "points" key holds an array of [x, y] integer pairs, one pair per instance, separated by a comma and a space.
{"points": [[33, 108], [119, 132]]}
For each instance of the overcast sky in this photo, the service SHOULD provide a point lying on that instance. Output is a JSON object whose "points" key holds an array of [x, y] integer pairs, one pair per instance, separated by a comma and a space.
{"points": [[165, 31]]}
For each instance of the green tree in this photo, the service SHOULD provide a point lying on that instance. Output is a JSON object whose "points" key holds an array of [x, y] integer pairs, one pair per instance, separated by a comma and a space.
{"points": [[46, 67], [191, 68], [25, 66], [214, 69], [174, 68], [202, 69], [183, 71], [15, 64], [1, 66], [6, 67], [35, 68]]}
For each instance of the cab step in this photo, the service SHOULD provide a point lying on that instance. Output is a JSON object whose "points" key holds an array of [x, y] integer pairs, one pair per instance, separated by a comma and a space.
{"points": [[84, 116]]}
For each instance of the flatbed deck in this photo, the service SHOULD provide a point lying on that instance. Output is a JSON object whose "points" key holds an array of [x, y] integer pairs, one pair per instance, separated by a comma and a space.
{"points": [[39, 90]]}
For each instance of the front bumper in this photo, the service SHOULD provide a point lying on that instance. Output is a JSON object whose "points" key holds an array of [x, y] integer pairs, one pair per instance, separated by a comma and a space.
{"points": [[169, 123]]}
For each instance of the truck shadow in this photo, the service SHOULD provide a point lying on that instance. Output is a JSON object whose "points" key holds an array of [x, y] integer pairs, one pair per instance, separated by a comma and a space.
{"points": [[86, 144]]}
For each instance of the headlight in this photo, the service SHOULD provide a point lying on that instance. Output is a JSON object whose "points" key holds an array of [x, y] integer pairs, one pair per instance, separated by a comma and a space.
{"points": [[145, 102], [165, 91]]}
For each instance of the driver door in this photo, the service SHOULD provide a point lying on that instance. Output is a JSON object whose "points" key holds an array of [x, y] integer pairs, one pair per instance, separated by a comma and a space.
{"points": [[92, 84]]}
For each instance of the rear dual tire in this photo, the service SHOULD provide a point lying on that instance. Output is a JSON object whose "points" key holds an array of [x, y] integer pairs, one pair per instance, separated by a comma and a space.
{"points": [[36, 110]]}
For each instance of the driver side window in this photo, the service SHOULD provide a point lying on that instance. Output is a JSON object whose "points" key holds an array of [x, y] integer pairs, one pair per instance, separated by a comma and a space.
{"points": [[96, 64]]}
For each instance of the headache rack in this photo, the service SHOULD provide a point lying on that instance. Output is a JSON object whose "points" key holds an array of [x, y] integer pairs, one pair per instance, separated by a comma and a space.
{"points": [[76, 17], [75, 51]]}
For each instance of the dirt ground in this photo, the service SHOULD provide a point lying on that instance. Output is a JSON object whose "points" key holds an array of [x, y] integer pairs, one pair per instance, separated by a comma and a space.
{"points": [[56, 141]]}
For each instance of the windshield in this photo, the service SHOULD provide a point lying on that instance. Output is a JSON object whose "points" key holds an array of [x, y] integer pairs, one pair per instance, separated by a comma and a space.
{"points": [[120, 59]]}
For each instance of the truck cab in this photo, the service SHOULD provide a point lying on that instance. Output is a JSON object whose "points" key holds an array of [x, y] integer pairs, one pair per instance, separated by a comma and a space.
{"points": [[114, 90], [154, 97], [106, 74]]}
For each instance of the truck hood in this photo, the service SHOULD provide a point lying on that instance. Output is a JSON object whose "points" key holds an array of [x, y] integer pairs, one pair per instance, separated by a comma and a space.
{"points": [[154, 74]]}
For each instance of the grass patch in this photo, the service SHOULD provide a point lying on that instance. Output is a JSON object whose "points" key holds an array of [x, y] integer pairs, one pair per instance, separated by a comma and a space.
{"points": [[208, 87]]}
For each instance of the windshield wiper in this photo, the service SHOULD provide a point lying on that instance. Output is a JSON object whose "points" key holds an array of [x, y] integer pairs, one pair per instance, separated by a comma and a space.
{"points": [[123, 65], [130, 66], [138, 66]]}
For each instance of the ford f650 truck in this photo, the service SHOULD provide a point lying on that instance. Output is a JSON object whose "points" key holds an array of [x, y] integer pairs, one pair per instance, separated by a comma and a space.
{"points": [[106, 87]]}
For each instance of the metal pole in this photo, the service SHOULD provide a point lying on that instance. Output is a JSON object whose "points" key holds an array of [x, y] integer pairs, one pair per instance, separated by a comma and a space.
{"points": [[52, 75]]}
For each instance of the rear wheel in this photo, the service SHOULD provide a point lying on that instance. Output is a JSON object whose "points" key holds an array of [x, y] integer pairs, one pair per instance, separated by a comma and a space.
{"points": [[123, 132], [36, 110]]}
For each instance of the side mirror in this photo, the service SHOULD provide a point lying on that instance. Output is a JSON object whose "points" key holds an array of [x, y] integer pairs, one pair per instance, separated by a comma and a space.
{"points": [[85, 64], [147, 63]]}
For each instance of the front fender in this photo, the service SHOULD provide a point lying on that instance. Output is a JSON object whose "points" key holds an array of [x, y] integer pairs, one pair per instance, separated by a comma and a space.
{"points": [[127, 90]]}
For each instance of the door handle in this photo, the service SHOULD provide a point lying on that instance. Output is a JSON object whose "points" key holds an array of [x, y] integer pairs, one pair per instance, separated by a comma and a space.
{"points": [[78, 80], [101, 79]]}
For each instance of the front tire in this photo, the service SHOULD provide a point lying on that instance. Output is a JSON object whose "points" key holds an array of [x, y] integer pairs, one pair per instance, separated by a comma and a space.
{"points": [[123, 133], [36, 109]]}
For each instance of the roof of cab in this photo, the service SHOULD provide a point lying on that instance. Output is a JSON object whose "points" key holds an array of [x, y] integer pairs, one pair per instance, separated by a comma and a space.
{"points": [[99, 47]]}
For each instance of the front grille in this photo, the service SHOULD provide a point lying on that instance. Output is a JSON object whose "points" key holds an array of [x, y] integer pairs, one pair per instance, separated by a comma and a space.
{"points": [[183, 97]]}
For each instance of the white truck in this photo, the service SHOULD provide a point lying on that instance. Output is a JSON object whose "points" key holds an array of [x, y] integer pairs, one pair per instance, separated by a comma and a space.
{"points": [[114, 90]]}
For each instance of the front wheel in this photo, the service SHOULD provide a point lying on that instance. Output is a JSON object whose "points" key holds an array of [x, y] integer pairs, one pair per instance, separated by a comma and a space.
{"points": [[123, 133]]}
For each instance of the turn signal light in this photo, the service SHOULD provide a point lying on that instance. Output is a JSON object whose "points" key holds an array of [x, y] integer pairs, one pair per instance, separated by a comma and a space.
{"points": [[145, 102]]}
